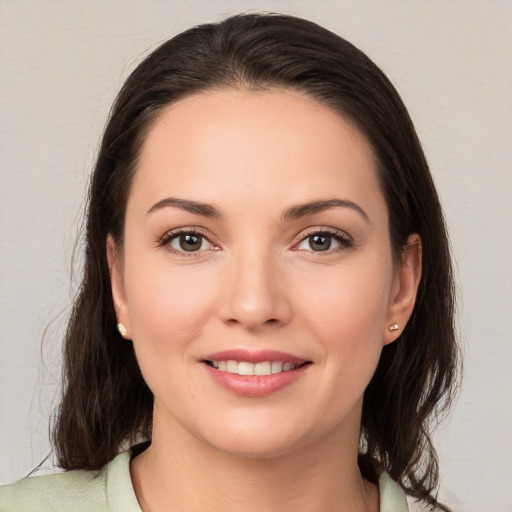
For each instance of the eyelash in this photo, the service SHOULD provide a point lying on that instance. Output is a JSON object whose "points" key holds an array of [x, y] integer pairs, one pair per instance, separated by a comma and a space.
{"points": [[341, 237], [344, 240], [165, 241]]}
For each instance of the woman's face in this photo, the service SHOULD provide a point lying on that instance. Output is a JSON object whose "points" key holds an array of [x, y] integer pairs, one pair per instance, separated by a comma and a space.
{"points": [[256, 241]]}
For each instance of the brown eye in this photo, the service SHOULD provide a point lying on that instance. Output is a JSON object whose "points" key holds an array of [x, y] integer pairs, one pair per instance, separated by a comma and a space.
{"points": [[319, 242], [324, 241], [189, 242]]}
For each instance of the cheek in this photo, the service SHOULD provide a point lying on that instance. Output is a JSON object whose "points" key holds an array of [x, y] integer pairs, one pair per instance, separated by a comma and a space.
{"points": [[351, 303], [169, 304], [347, 314], [347, 311], [168, 312]]}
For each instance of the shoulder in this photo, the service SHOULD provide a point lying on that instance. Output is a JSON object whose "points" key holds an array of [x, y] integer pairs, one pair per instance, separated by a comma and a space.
{"points": [[392, 497], [63, 491], [106, 490], [419, 506]]}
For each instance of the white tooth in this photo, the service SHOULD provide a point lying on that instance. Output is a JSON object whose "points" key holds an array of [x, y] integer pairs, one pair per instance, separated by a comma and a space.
{"points": [[264, 368], [287, 367], [232, 366], [277, 367], [245, 368], [222, 366], [215, 364]]}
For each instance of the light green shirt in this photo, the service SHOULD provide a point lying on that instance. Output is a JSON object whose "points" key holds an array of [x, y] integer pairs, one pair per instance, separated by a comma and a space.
{"points": [[111, 490]]}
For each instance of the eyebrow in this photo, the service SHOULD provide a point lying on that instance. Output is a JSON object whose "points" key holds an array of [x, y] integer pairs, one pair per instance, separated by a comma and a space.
{"points": [[293, 213], [302, 210], [207, 210]]}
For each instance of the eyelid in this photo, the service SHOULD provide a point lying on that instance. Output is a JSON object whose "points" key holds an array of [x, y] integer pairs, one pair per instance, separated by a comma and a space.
{"points": [[345, 239], [164, 240]]}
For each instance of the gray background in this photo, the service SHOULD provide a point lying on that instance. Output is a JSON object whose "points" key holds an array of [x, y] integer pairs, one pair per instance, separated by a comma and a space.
{"points": [[61, 63]]}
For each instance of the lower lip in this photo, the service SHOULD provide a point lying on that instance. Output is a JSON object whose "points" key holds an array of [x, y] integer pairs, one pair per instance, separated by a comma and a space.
{"points": [[255, 385]]}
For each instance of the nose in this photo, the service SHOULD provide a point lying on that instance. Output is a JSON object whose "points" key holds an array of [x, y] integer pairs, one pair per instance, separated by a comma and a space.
{"points": [[255, 294]]}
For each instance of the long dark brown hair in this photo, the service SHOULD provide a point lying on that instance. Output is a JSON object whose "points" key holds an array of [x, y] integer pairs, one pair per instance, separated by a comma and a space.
{"points": [[106, 404]]}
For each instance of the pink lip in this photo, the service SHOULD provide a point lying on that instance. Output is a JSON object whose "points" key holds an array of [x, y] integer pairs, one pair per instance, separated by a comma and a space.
{"points": [[256, 356], [253, 386]]}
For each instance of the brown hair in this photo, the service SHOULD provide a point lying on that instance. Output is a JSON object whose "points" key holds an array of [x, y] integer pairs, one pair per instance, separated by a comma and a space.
{"points": [[106, 403]]}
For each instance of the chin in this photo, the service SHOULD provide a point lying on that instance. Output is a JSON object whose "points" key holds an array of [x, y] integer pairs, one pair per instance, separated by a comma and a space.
{"points": [[251, 447], [256, 440]]}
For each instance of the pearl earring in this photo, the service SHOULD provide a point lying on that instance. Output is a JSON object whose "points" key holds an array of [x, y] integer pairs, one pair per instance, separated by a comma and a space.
{"points": [[122, 330], [394, 327]]}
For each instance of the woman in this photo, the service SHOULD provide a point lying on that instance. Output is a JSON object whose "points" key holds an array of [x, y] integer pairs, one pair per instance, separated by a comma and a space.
{"points": [[266, 314]]}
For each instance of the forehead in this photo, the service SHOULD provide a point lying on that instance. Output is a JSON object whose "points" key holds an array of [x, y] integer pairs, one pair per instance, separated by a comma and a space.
{"points": [[226, 142]]}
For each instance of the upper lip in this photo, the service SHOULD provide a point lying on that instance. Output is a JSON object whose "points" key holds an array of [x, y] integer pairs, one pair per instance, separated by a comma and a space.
{"points": [[254, 356]]}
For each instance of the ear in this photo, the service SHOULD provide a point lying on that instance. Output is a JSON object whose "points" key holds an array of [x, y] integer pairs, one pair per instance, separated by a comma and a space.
{"points": [[405, 287], [117, 285]]}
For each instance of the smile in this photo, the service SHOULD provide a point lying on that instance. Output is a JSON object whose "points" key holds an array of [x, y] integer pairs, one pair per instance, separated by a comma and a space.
{"points": [[259, 373], [248, 368]]}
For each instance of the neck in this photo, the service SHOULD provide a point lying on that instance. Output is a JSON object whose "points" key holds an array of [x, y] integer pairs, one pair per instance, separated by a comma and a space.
{"points": [[182, 473]]}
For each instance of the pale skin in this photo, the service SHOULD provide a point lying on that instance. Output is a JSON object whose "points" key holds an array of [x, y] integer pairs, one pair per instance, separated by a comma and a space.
{"points": [[234, 169]]}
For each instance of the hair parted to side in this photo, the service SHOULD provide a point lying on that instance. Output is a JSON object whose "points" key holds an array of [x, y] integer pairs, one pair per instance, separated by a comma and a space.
{"points": [[106, 403]]}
